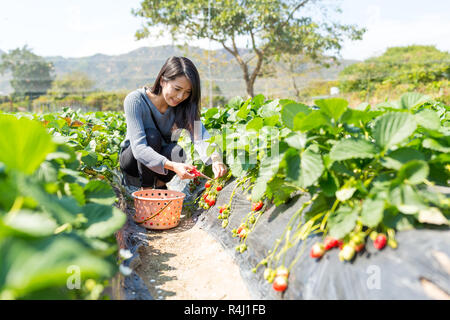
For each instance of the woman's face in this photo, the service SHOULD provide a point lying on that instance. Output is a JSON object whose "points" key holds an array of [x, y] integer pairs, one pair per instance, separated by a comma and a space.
{"points": [[176, 91]]}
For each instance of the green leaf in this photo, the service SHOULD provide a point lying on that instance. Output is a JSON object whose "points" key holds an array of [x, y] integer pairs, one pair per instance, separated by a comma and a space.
{"points": [[372, 212], [99, 192], [235, 102], [272, 121], [268, 168], [31, 265], [428, 119], [210, 113], [296, 140], [290, 110], [333, 108], [24, 143], [397, 158], [255, 124], [270, 109], [393, 128], [63, 209], [353, 149], [305, 168], [406, 199], [432, 215], [89, 158], [356, 117], [36, 224], [76, 191], [103, 220], [243, 111], [414, 171], [314, 120], [279, 191], [437, 145], [345, 193], [329, 184], [412, 100], [342, 222]]}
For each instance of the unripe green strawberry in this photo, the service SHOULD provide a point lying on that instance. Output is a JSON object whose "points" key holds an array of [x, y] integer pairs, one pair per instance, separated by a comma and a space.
{"points": [[242, 248], [267, 273], [392, 243], [347, 253], [373, 235], [252, 219], [224, 223]]}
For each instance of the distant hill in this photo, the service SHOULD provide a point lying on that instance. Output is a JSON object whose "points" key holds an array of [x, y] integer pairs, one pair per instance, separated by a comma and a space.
{"points": [[141, 66]]}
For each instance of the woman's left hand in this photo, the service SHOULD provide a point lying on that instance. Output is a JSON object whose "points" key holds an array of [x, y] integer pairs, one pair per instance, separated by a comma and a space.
{"points": [[219, 169]]}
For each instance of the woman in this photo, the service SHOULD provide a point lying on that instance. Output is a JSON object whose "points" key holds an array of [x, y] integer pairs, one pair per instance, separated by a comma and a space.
{"points": [[153, 116]]}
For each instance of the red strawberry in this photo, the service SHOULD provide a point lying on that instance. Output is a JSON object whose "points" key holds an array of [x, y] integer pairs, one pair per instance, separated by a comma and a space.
{"points": [[205, 196], [317, 250], [257, 206], [380, 241], [279, 283], [340, 244], [219, 188], [221, 210], [242, 226], [212, 202], [359, 247], [330, 243], [243, 233]]}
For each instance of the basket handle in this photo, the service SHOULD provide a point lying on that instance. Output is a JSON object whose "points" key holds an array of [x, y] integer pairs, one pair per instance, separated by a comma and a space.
{"points": [[155, 213]]}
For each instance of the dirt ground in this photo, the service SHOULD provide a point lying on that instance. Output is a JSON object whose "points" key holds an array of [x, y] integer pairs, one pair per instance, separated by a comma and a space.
{"points": [[187, 263]]}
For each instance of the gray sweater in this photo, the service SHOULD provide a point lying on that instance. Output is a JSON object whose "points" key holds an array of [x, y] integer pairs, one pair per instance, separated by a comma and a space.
{"points": [[139, 120]]}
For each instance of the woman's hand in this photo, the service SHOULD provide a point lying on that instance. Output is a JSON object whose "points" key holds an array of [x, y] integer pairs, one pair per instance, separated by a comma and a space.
{"points": [[182, 170], [219, 169]]}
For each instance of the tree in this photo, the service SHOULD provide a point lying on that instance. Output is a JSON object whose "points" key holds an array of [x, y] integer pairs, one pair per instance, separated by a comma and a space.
{"points": [[31, 74], [72, 83], [273, 27]]}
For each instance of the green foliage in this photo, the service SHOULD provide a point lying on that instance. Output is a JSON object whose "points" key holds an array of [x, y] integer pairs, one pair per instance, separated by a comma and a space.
{"points": [[31, 74], [57, 210], [367, 169], [71, 83], [275, 27], [415, 65]]}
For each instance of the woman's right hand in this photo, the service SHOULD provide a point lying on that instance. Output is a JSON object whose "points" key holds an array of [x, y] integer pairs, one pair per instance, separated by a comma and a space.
{"points": [[182, 170]]}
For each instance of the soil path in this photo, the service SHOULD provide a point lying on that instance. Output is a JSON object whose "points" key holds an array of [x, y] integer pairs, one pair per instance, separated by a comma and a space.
{"points": [[183, 263]]}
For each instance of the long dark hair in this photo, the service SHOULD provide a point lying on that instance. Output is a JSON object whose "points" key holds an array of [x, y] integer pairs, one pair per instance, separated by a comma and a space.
{"points": [[187, 111]]}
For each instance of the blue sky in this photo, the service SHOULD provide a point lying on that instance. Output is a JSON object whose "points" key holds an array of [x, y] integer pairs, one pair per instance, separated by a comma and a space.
{"points": [[76, 28]]}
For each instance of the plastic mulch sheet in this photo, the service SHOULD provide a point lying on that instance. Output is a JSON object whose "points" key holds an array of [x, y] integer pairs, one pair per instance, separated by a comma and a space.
{"points": [[373, 274]]}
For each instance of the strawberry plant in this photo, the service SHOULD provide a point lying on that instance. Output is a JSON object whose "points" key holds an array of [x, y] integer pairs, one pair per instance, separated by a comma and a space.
{"points": [[367, 170], [55, 218]]}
